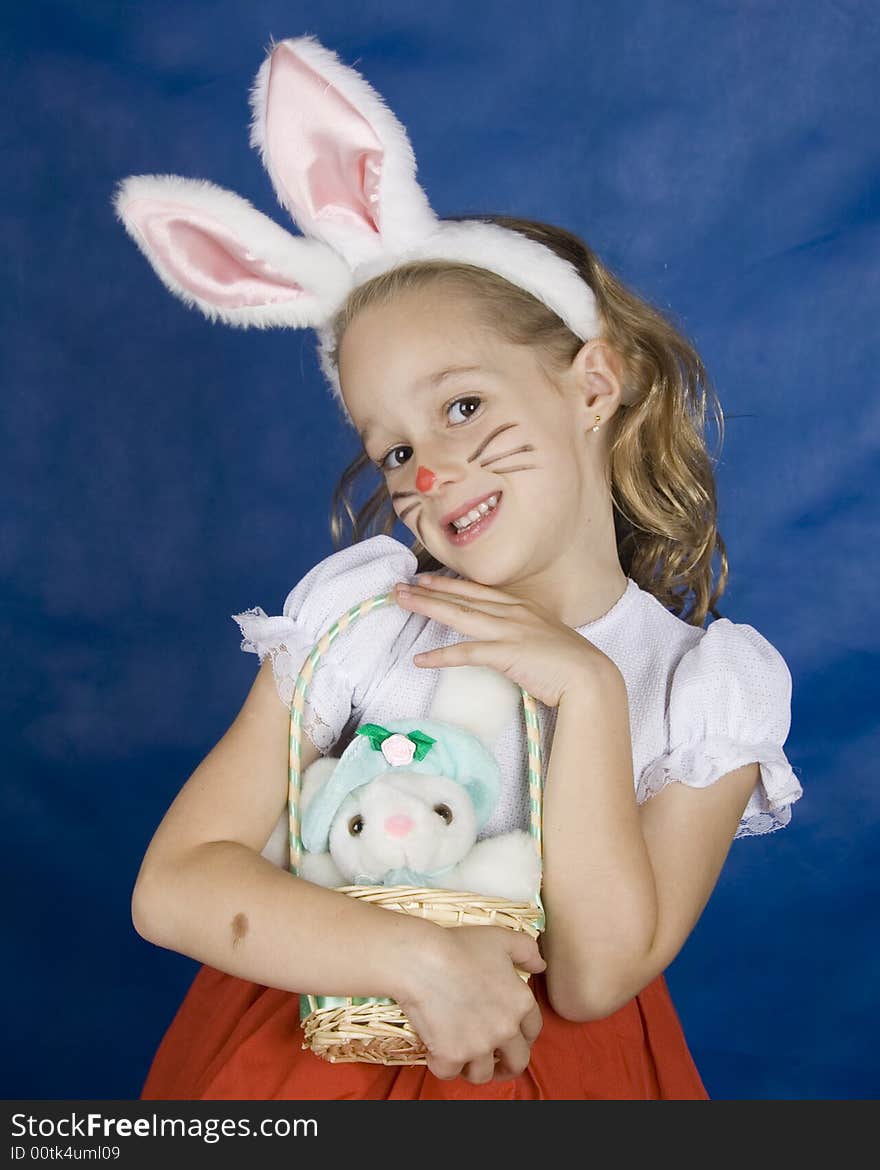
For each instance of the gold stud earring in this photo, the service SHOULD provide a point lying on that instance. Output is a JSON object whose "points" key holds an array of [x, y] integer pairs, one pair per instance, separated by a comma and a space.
{"points": [[598, 420]]}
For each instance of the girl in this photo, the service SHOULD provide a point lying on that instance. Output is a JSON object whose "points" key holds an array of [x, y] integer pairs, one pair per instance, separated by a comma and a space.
{"points": [[538, 430]]}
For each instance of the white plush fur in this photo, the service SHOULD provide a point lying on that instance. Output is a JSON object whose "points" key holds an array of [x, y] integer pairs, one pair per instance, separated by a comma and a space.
{"points": [[430, 845], [477, 699], [403, 210], [277, 848], [510, 254], [504, 866], [336, 252], [323, 275]]}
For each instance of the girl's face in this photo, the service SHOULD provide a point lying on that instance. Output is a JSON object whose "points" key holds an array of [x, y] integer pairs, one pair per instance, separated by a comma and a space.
{"points": [[459, 419]]}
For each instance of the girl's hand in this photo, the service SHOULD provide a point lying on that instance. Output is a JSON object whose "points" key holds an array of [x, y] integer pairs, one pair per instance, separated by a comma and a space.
{"points": [[475, 1015], [519, 639]]}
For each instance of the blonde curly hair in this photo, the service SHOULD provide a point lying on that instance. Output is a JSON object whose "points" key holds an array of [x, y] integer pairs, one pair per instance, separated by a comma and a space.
{"points": [[661, 474]]}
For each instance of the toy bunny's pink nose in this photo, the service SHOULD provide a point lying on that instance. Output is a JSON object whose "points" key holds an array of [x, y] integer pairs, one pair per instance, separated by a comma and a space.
{"points": [[398, 825]]}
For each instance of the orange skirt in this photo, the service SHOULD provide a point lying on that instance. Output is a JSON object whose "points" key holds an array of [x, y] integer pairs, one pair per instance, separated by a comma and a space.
{"points": [[239, 1041]]}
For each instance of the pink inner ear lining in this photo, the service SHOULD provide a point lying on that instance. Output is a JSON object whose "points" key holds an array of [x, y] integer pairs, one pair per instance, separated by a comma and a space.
{"points": [[204, 258], [322, 151]]}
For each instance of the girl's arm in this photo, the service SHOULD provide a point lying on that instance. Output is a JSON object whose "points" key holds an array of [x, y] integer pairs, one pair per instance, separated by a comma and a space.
{"points": [[205, 891], [624, 884]]}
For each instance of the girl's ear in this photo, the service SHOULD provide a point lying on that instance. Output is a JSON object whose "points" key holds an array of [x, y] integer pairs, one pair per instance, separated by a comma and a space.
{"points": [[215, 251], [600, 373], [339, 160]]}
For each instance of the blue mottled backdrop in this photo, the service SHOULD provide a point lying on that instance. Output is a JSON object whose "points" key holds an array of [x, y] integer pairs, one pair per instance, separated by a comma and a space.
{"points": [[160, 473]]}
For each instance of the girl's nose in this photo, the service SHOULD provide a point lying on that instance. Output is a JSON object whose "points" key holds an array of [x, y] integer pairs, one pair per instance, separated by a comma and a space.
{"points": [[425, 479], [398, 825]]}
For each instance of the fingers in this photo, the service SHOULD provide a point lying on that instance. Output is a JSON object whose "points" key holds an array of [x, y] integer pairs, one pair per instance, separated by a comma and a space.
{"points": [[508, 1061], [443, 1070], [450, 605], [512, 1058], [531, 1025], [479, 1072], [448, 1070], [524, 952], [464, 588], [492, 1038]]}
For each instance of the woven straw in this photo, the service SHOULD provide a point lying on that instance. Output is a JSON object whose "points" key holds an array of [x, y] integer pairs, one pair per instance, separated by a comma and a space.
{"points": [[376, 1030]]}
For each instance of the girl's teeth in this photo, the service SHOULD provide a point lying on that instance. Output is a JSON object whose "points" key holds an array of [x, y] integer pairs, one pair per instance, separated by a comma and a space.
{"points": [[475, 513]]}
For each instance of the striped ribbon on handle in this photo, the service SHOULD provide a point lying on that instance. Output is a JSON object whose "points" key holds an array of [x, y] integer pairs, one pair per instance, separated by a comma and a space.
{"points": [[297, 705]]}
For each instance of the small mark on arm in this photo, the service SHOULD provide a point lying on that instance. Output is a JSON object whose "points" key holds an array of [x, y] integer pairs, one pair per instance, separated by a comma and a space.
{"points": [[239, 928]]}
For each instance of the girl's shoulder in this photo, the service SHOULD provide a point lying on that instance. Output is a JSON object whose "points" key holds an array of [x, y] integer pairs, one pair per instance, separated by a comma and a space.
{"points": [[355, 573], [722, 655], [726, 700], [641, 623], [363, 649], [333, 587]]}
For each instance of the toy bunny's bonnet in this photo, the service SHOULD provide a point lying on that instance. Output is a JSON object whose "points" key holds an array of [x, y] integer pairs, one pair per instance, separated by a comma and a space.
{"points": [[342, 165]]}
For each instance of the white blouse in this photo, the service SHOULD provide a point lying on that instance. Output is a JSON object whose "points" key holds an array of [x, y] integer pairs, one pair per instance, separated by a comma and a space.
{"points": [[701, 701]]}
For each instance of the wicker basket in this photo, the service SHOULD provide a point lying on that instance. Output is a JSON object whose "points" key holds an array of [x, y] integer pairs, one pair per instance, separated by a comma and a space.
{"points": [[376, 1030]]}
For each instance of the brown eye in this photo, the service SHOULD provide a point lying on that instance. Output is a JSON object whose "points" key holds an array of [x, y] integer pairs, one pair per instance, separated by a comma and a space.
{"points": [[472, 399], [444, 811], [384, 465], [356, 826]]}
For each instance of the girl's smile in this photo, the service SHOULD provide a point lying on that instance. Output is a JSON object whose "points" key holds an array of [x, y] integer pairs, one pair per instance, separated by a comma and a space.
{"points": [[472, 528]]}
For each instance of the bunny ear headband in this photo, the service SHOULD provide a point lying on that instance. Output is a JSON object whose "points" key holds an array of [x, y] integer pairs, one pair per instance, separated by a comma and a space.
{"points": [[343, 167]]}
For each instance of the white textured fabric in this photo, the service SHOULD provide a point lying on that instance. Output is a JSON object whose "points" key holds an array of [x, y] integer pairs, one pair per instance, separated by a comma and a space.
{"points": [[702, 701]]}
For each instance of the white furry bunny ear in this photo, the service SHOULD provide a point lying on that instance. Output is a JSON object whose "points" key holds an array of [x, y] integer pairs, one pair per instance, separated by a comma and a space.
{"points": [[339, 160], [215, 251]]}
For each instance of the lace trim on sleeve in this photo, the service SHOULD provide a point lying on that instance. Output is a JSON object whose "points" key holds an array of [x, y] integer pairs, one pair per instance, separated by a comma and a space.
{"points": [[700, 764], [287, 646]]}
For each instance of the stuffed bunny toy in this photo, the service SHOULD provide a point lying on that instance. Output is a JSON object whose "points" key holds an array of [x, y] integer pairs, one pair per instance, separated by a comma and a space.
{"points": [[405, 802]]}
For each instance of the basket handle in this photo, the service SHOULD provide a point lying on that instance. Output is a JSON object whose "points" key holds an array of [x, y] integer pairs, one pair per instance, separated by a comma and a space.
{"points": [[296, 716]]}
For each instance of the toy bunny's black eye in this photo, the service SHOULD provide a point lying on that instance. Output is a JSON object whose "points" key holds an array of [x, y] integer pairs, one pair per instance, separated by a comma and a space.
{"points": [[356, 826], [444, 811]]}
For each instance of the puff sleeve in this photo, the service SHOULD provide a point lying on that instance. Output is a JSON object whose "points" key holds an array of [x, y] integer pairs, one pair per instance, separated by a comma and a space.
{"points": [[729, 704], [358, 657]]}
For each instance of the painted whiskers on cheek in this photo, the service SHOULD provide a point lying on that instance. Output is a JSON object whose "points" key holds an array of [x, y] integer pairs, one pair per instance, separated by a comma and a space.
{"points": [[471, 459]]}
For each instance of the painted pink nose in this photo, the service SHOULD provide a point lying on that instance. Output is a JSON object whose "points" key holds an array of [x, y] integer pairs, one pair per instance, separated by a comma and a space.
{"points": [[398, 825]]}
